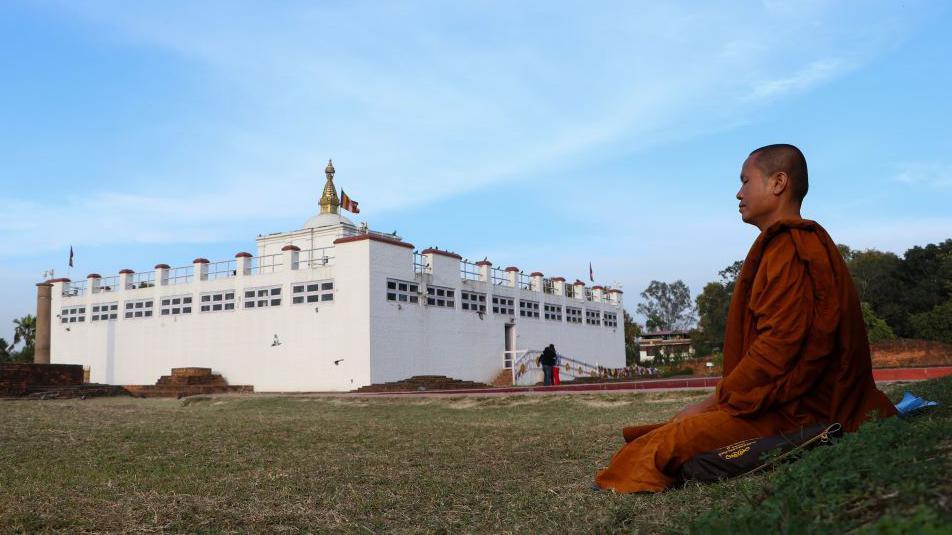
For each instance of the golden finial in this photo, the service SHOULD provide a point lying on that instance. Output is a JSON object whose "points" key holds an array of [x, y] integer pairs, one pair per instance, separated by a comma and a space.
{"points": [[329, 202]]}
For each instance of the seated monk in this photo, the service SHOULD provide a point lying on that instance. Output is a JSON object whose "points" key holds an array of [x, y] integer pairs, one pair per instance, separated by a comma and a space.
{"points": [[795, 346]]}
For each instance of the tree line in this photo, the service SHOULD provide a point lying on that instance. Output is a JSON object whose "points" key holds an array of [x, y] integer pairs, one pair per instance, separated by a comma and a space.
{"points": [[901, 297]]}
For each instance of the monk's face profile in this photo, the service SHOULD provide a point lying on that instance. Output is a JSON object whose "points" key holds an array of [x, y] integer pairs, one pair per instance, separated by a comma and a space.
{"points": [[762, 197]]}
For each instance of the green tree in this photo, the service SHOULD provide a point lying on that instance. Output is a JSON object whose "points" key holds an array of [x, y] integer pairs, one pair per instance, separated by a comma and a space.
{"points": [[877, 330], [632, 348], [712, 305], [845, 252], [24, 331], [875, 276], [935, 324], [4, 351], [924, 278], [667, 306]]}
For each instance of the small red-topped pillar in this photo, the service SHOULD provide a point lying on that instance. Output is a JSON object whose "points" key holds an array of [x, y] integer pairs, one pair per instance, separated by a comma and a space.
{"points": [[200, 269], [242, 264], [125, 279], [292, 256], [92, 283], [536, 283], [579, 289], [485, 267], [614, 296], [513, 273], [558, 285], [162, 274]]}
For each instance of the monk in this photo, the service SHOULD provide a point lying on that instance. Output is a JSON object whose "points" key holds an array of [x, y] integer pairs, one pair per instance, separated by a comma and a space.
{"points": [[795, 346]]}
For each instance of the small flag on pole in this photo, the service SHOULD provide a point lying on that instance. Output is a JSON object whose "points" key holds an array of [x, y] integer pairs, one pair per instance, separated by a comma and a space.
{"points": [[591, 274], [348, 204], [70, 256]]}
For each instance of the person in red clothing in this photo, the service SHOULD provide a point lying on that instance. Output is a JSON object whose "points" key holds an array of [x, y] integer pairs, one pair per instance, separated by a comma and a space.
{"points": [[795, 345]]}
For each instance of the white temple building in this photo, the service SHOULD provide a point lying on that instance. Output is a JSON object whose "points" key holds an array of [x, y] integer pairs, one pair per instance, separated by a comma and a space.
{"points": [[332, 307]]}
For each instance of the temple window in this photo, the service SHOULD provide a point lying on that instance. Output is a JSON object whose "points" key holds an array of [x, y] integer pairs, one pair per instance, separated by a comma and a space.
{"points": [[440, 296], [265, 296], [473, 301], [312, 292], [403, 291], [105, 311], [217, 301]]}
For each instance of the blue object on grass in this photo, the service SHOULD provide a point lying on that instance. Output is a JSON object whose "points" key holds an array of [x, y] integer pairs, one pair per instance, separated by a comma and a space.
{"points": [[911, 403]]}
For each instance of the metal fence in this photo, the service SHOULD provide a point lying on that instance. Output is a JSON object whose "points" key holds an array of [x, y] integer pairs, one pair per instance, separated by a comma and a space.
{"points": [[222, 270], [523, 281], [266, 264], [419, 264], [314, 258], [146, 279], [181, 275], [109, 284], [468, 271], [498, 276], [74, 289]]}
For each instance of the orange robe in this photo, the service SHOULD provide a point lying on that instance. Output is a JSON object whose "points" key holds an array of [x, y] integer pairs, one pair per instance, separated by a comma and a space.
{"points": [[795, 354]]}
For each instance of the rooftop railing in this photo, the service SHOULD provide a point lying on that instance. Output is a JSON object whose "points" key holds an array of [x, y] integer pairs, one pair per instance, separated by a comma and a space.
{"points": [[314, 258], [222, 270], [145, 279], [548, 287], [109, 284], [468, 271], [419, 264], [74, 289], [181, 275], [523, 281], [265, 264], [498, 276]]}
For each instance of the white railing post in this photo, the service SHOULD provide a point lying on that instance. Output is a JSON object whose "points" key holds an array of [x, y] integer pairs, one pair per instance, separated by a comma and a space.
{"points": [[536, 284], [558, 286], [242, 264], [597, 293], [614, 296], [200, 269], [579, 290], [485, 266], [513, 273], [162, 274], [292, 253], [92, 283], [125, 279]]}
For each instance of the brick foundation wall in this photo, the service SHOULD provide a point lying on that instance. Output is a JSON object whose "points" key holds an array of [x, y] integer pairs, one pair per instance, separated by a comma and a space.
{"points": [[16, 378]]}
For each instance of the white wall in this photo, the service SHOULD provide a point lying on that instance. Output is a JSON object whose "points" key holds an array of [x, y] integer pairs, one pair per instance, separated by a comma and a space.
{"points": [[379, 341], [236, 344], [409, 340]]}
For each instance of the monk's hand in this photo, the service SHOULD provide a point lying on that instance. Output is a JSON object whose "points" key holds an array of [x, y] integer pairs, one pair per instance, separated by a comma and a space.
{"points": [[707, 404]]}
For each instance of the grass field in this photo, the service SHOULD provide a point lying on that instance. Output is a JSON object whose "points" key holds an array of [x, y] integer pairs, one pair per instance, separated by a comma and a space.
{"points": [[500, 464]]}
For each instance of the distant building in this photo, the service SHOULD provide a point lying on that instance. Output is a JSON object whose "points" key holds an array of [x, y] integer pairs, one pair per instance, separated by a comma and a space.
{"points": [[667, 343], [331, 306]]}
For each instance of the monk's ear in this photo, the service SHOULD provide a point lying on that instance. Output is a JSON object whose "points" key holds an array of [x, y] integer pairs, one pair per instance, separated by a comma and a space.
{"points": [[778, 183]]}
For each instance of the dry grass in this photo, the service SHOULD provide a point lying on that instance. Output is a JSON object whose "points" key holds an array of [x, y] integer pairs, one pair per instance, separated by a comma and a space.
{"points": [[314, 464], [298, 464]]}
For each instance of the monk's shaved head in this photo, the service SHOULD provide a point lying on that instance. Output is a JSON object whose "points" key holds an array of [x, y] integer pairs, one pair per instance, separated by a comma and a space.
{"points": [[787, 159]]}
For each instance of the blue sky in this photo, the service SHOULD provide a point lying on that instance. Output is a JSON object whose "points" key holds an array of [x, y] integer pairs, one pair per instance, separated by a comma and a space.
{"points": [[543, 135]]}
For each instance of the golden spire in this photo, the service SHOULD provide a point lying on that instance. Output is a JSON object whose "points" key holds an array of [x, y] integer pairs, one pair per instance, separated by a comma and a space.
{"points": [[329, 202]]}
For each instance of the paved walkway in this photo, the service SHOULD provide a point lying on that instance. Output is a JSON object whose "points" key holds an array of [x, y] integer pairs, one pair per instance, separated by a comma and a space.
{"points": [[883, 375]]}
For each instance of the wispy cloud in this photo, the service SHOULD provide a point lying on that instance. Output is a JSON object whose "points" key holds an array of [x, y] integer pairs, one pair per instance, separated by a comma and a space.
{"points": [[417, 102], [935, 175], [806, 78]]}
